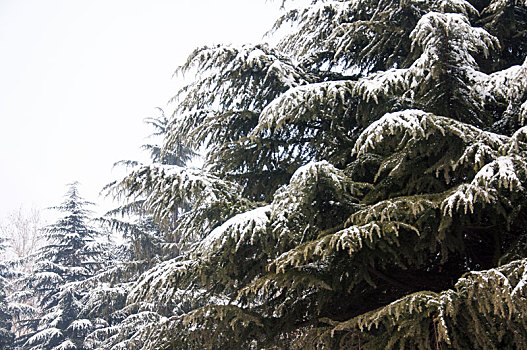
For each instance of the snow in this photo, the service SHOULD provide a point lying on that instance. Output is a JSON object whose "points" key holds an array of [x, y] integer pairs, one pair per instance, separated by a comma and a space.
{"points": [[309, 31], [65, 345], [412, 122], [81, 325], [310, 171], [295, 104], [160, 286], [292, 199], [462, 6], [389, 209], [381, 83], [496, 5], [500, 173], [507, 85], [481, 148], [351, 239], [256, 57], [258, 68], [167, 187], [49, 277], [514, 144], [464, 40], [241, 227], [520, 286], [49, 333], [465, 197], [523, 113], [21, 308]]}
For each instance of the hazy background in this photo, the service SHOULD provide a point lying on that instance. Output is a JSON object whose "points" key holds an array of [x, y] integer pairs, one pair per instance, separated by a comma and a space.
{"points": [[77, 78]]}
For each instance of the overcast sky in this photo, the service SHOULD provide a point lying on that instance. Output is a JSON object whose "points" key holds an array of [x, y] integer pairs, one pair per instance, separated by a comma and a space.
{"points": [[77, 78]]}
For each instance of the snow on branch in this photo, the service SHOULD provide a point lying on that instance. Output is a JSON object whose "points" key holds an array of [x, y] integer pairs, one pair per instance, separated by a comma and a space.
{"points": [[200, 327], [506, 86], [352, 239], [517, 142], [523, 112], [405, 125], [495, 294], [306, 102], [166, 188], [464, 38], [482, 150], [45, 335], [395, 209], [230, 78], [172, 287], [313, 24], [398, 129], [296, 199], [159, 284], [242, 228], [500, 5], [431, 34], [123, 335], [452, 6], [499, 174], [80, 325], [66, 345], [465, 196], [208, 128]]}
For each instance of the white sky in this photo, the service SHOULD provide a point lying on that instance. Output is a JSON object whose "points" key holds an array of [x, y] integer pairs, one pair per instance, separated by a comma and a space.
{"points": [[77, 78]]}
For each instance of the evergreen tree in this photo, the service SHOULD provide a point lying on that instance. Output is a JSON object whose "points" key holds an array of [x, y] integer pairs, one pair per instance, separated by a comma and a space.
{"points": [[146, 244], [363, 186], [144, 234], [70, 255], [6, 336]]}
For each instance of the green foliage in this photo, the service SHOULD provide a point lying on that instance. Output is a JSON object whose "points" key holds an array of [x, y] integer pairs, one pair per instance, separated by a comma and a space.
{"points": [[363, 186], [483, 311]]}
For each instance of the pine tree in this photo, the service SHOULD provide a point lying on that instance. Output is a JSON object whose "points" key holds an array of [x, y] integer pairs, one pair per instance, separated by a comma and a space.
{"points": [[70, 255], [143, 233], [363, 186], [146, 244], [6, 336]]}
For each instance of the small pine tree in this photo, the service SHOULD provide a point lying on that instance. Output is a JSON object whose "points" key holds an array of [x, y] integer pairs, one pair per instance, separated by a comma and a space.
{"points": [[70, 255], [6, 336]]}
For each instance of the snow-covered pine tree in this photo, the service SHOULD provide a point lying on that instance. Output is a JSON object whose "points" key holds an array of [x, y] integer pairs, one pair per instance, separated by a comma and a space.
{"points": [[363, 185], [70, 255], [6, 336], [146, 244], [147, 240]]}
